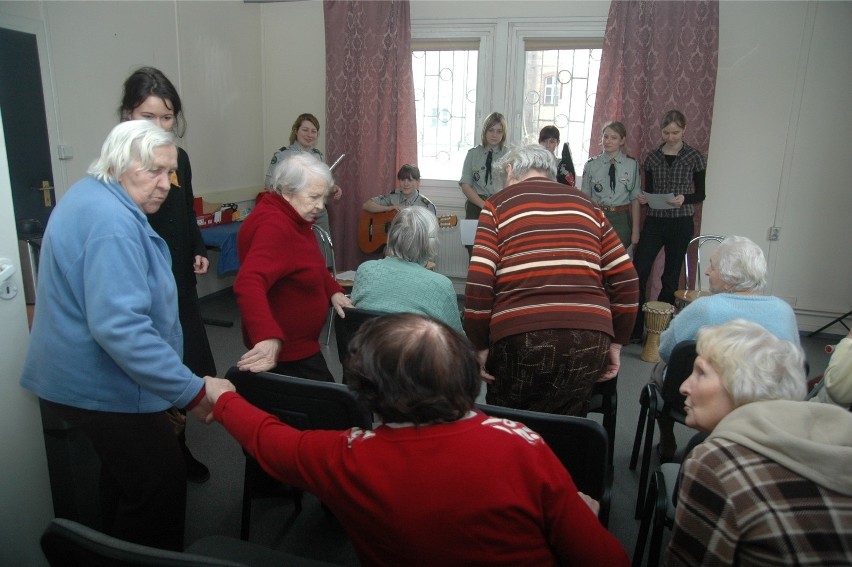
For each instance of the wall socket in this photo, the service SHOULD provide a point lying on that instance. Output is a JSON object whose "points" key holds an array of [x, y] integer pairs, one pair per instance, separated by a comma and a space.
{"points": [[774, 233]]}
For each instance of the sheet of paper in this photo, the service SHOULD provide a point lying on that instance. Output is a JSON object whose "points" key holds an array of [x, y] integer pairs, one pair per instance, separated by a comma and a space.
{"points": [[656, 201], [348, 275], [467, 229]]}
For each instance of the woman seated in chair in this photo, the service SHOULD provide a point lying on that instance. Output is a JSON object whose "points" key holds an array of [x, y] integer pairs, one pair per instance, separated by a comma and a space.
{"points": [[771, 484], [737, 274], [400, 282], [437, 483]]}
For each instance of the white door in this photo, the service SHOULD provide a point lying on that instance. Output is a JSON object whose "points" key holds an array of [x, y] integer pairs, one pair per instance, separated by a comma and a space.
{"points": [[25, 501]]}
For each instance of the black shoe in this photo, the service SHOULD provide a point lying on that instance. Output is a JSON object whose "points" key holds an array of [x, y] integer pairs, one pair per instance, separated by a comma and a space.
{"points": [[196, 471]]}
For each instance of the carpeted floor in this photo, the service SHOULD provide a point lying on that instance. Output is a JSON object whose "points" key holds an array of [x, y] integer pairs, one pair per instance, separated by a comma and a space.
{"points": [[215, 506]]}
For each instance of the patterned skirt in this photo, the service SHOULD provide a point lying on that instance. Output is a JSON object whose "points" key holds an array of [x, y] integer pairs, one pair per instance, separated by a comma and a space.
{"points": [[551, 370]]}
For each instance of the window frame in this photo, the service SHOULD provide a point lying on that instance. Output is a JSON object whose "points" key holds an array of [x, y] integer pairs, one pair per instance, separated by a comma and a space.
{"points": [[502, 48]]}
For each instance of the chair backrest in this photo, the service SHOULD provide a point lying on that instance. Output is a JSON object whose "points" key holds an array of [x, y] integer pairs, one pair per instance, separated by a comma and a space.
{"points": [[677, 371], [695, 248], [579, 443], [66, 543], [345, 328], [326, 247], [302, 403]]}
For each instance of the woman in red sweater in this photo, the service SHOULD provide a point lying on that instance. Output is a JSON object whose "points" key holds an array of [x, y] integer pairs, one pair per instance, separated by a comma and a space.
{"points": [[283, 288], [437, 483]]}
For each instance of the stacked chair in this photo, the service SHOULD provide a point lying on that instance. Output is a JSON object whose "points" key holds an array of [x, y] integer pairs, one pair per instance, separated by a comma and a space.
{"points": [[656, 402], [660, 504]]}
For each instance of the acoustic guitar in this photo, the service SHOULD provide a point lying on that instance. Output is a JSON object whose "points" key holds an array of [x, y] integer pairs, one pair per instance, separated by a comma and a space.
{"points": [[373, 228]]}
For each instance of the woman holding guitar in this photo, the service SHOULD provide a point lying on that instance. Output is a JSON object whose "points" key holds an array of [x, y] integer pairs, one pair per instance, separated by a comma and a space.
{"points": [[378, 212], [408, 194]]}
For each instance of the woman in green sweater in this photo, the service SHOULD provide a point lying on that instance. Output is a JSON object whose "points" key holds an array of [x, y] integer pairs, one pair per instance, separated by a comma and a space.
{"points": [[400, 282]]}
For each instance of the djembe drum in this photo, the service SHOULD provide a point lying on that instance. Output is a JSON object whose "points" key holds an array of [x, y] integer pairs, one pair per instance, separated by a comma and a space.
{"points": [[658, 314]]}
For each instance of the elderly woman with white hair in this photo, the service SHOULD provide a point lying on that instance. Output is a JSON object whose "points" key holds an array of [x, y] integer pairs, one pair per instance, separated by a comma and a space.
{"points": [[737, 274], [771, 484], [551, 294], [106, 344], [283, 288], [400, 282]]}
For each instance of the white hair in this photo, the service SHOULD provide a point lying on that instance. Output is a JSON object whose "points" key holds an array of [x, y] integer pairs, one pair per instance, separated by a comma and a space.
{"points": [[413, 235], [754, 364], [532, 157], [296, 171], [129, 142], [741, 264]]}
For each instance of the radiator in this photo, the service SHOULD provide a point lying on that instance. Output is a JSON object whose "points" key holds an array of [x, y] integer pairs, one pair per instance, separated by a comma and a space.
{"points": [[452, 256]]}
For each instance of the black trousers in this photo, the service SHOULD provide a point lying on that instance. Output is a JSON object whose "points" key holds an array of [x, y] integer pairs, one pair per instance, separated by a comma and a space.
{"points": [[471, 212], [313, 368], [197, 355], [672, 235], [143, 474]]}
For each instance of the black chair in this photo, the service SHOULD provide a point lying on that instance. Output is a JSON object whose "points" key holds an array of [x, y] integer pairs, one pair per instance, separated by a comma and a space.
{"points": [[300, 403], [654, 403], [579, 443], [346, 327], [605, 401], [67, 543], [660, 505]]}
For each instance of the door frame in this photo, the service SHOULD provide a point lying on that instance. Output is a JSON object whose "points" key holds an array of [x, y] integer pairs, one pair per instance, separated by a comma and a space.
{"points": [[51, 109]]}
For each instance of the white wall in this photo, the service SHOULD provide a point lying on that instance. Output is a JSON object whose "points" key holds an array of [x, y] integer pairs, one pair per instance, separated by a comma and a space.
{"points": [[210, 50], [777, 154], [294, 71]]}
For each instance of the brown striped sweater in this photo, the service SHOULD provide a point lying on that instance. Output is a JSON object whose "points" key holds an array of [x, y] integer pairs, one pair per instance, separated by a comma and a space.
{"points": [[545, 257]]}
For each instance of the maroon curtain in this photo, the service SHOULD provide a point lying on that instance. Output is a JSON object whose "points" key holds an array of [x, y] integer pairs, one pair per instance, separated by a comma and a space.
{"points": [[369, 108], [658, 56]]}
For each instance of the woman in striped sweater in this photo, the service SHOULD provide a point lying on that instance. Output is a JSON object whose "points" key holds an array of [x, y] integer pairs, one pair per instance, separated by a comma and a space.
{"points": [[551, 294]]}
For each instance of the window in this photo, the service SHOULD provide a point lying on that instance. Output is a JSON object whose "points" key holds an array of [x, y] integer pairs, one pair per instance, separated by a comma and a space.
{"points": [[545, 72], [550, 96], [559, 89], [445, 103]]}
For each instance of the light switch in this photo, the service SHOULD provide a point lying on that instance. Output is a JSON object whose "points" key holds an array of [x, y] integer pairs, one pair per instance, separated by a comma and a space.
{"points": [[65, 152]]}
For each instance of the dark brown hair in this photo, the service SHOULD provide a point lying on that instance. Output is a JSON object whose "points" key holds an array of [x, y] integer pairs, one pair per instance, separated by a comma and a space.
{"points": [[148, 81], [547, 133], [409, 171], [410, 368], [675, 116]]}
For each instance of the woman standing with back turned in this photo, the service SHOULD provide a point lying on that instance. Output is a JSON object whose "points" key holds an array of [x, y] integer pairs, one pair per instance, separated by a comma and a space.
{"points": [[678, 168]]}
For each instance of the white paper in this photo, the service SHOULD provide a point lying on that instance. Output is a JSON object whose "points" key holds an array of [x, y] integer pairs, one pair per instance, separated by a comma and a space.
{"points": [[347, 276], [467, 229], [657, 201]]}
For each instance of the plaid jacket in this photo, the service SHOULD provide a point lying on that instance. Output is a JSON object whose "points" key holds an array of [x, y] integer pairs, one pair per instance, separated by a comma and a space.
{"points": [[736, 507]]}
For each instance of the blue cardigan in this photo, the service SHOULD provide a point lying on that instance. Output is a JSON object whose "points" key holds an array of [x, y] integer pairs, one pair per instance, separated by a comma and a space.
{"points": [[106, 334]]}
